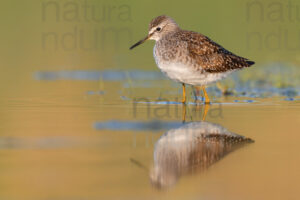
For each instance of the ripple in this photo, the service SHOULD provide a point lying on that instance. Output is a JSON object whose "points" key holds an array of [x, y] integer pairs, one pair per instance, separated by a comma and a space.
{"points": [[105, 75], [153, 125]]}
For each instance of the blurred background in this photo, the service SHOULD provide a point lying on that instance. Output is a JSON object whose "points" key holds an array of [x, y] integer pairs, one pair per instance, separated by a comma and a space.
{"points": [[95, 35], [66, 66]]}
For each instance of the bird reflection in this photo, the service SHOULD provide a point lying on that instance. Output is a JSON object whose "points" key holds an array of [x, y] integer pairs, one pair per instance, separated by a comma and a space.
{"points": [[191, 148]]}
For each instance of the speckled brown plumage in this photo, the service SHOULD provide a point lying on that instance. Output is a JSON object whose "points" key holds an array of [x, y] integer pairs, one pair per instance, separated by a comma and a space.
{"points": [[211, 56], [205, 53], [156, 21]]}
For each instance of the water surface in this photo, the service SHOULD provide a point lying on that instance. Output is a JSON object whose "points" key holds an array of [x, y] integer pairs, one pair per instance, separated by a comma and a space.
{"points": [[98, 139]]}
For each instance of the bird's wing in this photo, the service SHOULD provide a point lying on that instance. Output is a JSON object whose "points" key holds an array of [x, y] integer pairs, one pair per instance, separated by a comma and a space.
{"points": [[211, 56]]}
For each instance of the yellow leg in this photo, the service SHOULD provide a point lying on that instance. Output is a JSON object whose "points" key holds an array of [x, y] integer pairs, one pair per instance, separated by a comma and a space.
{"points": [[220, 87], [224, 89], [183, 93], [183, 113], [206, 108], [207, 101]]}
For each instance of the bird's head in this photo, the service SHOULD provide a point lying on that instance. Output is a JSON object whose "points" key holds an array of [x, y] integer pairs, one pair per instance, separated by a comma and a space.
{"points": [[158, 28]]}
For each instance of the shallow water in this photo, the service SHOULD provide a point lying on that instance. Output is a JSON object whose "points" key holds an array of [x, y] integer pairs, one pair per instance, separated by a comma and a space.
{"points": [[99, 139]]}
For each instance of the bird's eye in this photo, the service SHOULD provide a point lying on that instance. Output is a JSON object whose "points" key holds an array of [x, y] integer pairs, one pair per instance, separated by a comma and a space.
{"points": [[158, 28]]}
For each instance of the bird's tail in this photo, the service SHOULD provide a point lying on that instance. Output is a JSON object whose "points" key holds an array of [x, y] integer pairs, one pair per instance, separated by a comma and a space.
{"points": [[249, 62]]}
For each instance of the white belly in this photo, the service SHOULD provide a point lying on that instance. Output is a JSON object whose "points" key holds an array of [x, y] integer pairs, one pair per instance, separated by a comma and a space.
{"points": [[187, 74]]}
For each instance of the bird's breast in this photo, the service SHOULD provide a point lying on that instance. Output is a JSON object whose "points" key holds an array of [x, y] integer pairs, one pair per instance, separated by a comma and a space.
{"points": [[180, 67]]}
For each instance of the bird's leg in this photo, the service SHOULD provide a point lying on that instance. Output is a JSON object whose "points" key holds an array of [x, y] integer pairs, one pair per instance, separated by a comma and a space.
{"points": [[221, 88], [183, 113], [224, 89], [206, 108], [183, 93], [207, 101]]}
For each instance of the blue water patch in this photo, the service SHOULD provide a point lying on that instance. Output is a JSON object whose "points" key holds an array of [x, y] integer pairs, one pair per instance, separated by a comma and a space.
{"points": [[276, 79], [199, 98], [289, 99], [162, 102], [249, 101], [244, 101], [165, 102], [153, 125], [105, 75], [95, 92], [125, 98]]}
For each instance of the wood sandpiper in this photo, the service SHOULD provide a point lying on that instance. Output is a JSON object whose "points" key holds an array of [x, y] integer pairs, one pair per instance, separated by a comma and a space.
{"points": [[189, 57]]}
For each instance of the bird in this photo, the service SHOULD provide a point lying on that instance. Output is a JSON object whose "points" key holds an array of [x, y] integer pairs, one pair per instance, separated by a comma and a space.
{"points": [[189, 57]]}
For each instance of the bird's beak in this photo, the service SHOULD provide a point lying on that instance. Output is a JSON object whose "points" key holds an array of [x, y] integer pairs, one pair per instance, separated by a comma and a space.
{"points": [[140, 42]]}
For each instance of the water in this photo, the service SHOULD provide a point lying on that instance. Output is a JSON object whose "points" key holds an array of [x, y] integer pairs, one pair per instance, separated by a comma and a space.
{"points": [[87, 139]]}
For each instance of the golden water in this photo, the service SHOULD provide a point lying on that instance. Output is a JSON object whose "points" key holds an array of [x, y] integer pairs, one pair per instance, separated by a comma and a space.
{"points": [[50, 148]]}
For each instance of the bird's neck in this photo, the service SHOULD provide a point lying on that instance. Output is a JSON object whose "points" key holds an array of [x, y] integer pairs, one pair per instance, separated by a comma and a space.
{"points": [[169, 34]]}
